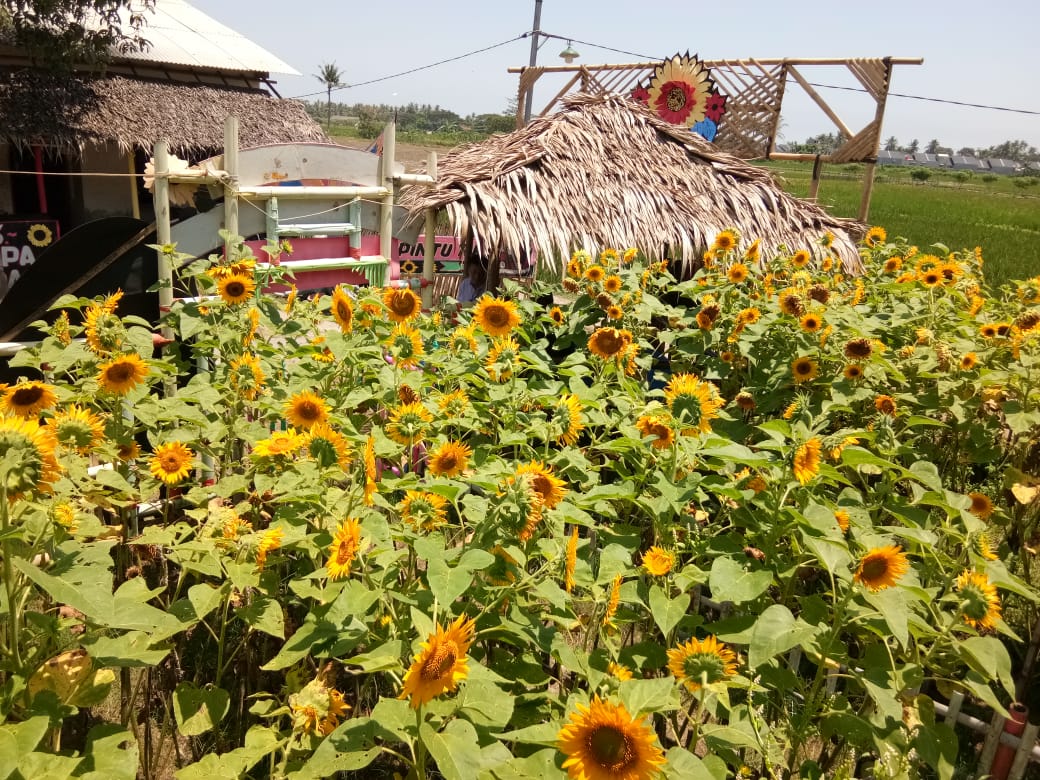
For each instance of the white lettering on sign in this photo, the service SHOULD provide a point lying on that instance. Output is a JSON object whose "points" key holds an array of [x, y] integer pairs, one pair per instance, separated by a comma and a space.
{"points": [[17, 256], [444, 250]]}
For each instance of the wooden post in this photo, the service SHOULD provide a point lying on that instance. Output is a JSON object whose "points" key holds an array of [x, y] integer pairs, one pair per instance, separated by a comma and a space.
{"points": [[163, 235], [1024, 753], [386, 179], [429, 243], [956, 702], [879, 115], [231, 167], [990, 745], [135, 201], [814, 183], [41, 188]]}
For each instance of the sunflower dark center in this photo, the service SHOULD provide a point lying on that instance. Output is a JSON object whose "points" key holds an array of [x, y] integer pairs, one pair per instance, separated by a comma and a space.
{"points": [[344, 311], [235, 288], [874, 569], [676, 99], [611, 748], [345, 553], [120, 372], [448, 461], [170, 462], [803, 367], [27, 396], [440, 662], [610, 343], [308, 410], [402, 304], [497, 316]]}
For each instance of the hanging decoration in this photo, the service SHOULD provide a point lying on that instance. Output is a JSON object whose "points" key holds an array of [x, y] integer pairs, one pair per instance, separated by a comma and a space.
{"points": [[682, 92]]}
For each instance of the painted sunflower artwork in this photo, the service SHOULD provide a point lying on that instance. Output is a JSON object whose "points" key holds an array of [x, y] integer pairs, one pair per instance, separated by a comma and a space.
{"points": [[682, 92]]}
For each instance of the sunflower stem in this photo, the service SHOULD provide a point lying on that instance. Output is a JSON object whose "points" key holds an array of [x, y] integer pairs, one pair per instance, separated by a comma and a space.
{"points": [[9, 582], [420, 746]]}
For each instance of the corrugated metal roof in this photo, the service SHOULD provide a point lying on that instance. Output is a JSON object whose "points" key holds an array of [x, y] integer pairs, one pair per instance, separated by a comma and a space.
{"points": [[180, 34]]}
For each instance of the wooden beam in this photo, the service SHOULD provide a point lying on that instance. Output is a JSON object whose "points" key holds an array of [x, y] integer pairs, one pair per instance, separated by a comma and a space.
{"points": [[793, 72]]}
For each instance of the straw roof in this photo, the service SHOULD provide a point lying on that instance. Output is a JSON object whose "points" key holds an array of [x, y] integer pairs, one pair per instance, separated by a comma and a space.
{"points": [[71, 112], [605, 172]]}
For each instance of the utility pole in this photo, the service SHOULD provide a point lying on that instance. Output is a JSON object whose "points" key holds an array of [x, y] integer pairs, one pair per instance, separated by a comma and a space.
{"points": [[536, 32]]}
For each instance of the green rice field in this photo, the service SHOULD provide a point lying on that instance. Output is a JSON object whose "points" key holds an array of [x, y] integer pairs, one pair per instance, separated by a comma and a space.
{"points": [[999, 216]]}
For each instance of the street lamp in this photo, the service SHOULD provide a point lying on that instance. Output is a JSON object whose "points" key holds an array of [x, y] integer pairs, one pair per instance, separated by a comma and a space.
{"points": [[569, 55]]}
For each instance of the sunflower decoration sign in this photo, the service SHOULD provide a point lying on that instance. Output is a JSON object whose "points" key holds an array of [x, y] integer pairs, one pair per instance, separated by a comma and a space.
{"points": [[682, 92]]}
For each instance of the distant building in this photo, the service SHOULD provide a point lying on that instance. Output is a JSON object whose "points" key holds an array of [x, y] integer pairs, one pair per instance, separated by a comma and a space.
{"points": [[894, 158], [1003, 167], [925, 159], [962, 162]]}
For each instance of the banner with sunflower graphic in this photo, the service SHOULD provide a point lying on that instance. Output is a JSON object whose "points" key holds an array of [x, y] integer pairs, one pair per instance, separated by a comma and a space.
{"points": [[22, 240], [682, 92]]}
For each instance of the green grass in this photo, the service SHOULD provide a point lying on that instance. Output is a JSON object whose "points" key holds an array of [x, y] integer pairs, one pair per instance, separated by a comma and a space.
{"points": [[999, 216]]}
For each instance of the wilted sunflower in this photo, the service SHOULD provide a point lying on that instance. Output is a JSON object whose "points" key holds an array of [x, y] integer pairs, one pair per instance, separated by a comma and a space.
{"points": [[550, 488], [876, 235], [449, 459], [858, 349], [401, 304], [657, 425], [557, 316], [306, 409], [881, 567], [800, 259], [503, 359], [346, 543], [29, 450], [658, 561], [328, 447], [745, 400], [496, 316], [28, 399], [811, 323], [405, 345], [172, 462], [804, 369], [692, 401], [603, 742], [441, 663], [737, 273], [122, 374], [702, 661], [885, 404], [807, 461], [77, 429], [343, 309], [981, 505], [791, 303], [564, 418], [408, 423], [236, 288], [980, 604]]}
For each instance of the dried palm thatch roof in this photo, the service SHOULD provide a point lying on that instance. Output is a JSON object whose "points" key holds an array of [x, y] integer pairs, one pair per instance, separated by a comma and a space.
{"points": [[72, 112], [605, 172]]}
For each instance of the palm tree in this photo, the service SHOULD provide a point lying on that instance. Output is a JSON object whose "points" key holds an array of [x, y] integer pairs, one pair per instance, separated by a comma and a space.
{"points": [[331, 76]]}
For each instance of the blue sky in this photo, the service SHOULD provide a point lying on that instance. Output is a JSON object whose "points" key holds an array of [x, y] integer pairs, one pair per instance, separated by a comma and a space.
{"points": [[975, 53]]}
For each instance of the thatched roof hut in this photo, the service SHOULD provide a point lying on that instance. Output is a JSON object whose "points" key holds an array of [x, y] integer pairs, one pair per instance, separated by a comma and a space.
{"points": [[71, 112], [605, 172]]}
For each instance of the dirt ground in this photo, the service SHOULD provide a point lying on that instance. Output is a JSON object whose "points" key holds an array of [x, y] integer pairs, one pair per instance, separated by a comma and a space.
{"points": [[412, 155]]}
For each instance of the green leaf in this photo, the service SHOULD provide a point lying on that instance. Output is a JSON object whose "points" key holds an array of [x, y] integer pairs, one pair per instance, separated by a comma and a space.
{"points": [[667, 612], [260, 742], [640, 697], [776, 631], [485, 704], [448, 583], [891, 603], [349, 748], [133, 648], [539, 734], [198, 709], [396, 716], [682, 763], [386, 656], [264, 614], [989, 657], [937, 747], [106, 757], [456, 749], [729, 581], [541, 765]]}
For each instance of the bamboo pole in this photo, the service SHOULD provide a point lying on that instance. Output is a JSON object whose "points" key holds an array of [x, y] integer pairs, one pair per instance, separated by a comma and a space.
{"points": [[708, 63], [814, 183], [135, 200], [231, 167], [429, 240], [163, 235], [818, 99], [386, 179], [1024, 753], [879, 116]]}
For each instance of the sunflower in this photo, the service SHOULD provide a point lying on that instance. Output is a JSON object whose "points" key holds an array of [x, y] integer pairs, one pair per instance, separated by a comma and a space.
{"points": [[28, 399], [408, 423], [77, 429], [989, 330], [615, 312], [441, 663], [881, 567], [595, 273], [122, 374], [702, 662], [754, 251], [172, 462], [247, 377], [980, 604], [305, 410], [603, 742], [811, 323], [462, 338], [656, 425], [842, 518], [280, 443], [745, 399], [565, 421], [236, 288], [725, 241], [876, 235], [550, 488], [503, 359], [495, 316], [804, 369], [401, 304], [886, 405], [968, 361], [454, 404], [571, 560], [931, 278], [692, 401], [346, 543], [328, 447], [749, 316], [737, 273], [371, 471], [102, 328], [658, 561], [853, 372], [613, 601], [800, 259], [858, 349], [449, 459], [612, 284], [29, 451], [892, 265], [981, 505], [128, 451], [807, 461], [574, 268], [343, 309], [791, 303], [557, 316], [270, 540], [405, 345]]}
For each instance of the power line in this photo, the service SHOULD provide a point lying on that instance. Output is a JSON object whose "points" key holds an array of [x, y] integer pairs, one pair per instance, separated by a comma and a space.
{"points": [[414, 70]]}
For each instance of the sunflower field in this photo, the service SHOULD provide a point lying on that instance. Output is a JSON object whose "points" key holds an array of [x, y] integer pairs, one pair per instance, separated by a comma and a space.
{"points": [[754, 523]]}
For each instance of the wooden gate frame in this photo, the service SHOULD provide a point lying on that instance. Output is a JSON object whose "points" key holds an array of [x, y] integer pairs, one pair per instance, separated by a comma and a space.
{"points": [[756, 89]]}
